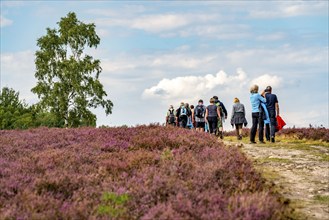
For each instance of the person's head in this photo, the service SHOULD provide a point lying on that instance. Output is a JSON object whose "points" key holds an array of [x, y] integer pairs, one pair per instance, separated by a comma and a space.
{"points": [[186, 105], [215, 97], [200, 102], [212, 101], [268, 89], [254, 89], [182, 104], [236, 100], [171, 106], [192, 106]]}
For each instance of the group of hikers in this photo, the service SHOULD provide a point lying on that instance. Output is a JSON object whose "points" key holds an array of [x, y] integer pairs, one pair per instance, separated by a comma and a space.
{"points": [[265, 109]]}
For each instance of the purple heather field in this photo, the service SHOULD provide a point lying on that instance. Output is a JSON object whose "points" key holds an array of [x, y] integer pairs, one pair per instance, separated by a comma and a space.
{"points": [[144, 172]]}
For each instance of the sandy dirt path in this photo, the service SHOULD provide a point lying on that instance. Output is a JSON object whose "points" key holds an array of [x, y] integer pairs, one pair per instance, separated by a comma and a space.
{"points": [[300, 175]]}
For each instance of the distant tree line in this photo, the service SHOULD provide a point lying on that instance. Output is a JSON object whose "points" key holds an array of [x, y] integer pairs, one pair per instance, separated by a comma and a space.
{"points": [[16, 114], [68, 83]]}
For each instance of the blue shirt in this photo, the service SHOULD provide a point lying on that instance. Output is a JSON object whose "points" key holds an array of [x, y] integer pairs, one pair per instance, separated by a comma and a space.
{"points": [[255, 100]]}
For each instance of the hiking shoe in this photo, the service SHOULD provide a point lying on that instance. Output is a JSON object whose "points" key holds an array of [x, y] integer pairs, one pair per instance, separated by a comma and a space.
{"points": [[262, 142], [252, 142], [272, 140]]}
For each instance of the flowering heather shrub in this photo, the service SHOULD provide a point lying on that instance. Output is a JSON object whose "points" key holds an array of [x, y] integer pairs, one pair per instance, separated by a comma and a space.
{"points": [[307, 133], [146, 172], [298, 133]]}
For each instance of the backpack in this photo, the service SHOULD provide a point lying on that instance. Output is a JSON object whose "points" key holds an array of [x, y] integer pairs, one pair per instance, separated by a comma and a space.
{"points": [[189, 112], [183, 111], [199, 111], [171, 119]]}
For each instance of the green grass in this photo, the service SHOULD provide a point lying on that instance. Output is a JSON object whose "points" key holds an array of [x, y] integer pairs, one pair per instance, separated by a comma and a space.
{"points": [[322, 199], [284, 141], [274, 160], [290, 143]]}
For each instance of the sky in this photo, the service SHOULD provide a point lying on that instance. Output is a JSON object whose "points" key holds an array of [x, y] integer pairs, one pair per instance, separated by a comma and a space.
{"points": [[157, 53]]}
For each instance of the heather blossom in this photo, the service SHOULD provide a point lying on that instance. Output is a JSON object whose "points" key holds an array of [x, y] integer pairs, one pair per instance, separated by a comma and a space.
{"points": [[144, 172]]}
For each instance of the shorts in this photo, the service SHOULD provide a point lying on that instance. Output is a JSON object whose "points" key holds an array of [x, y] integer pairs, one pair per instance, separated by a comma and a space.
{"points": [[200, 124]]}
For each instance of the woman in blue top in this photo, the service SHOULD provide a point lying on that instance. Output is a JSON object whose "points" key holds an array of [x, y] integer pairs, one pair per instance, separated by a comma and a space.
{"points": [[257, 118]]}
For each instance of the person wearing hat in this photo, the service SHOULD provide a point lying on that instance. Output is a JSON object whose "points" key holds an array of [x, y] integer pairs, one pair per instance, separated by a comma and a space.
{"points": [[272, 105]]}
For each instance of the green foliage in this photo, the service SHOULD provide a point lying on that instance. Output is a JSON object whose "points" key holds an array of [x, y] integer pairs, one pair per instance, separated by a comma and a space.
{"points": [[16, 114], [113, 205], [13, 112], [322, 199], [167, 154], [67, 78]]}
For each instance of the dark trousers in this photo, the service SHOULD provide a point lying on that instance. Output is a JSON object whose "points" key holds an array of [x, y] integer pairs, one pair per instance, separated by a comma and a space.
{"points": [[212, 124], [270, 128], [257, 119], [183, 121]]}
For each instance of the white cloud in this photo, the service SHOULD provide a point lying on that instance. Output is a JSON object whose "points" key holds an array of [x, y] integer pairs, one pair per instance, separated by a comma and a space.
{"points": [[17, 72], [271, 37], [193, 87], [181, 60], [116, 66], [282, 9], [126, 10], [159, 23], [284, 57], [13, 3], [102, 32], [165, 24], [267, 80], [307, 116], [5, 21]]}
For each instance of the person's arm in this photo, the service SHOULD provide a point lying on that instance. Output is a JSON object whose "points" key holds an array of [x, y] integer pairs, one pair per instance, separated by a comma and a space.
{"points": [[263, 93], [224, 110], [277, 108], [244, 111], [233, 110], [206, 116], [193, 116], [218, 113], [262, 99]]}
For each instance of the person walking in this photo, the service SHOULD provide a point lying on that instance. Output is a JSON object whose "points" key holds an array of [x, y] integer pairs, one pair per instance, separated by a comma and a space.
{"points": [[272, 105], [199, 116], [238, 117], [189, 116], [212, 115], [181, 116], [192, 117], [257, 118], [221, 120], [170, 117]]}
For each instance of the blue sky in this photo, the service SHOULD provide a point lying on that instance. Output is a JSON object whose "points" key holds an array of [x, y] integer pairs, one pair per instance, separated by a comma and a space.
{"points": [[154, 54]]}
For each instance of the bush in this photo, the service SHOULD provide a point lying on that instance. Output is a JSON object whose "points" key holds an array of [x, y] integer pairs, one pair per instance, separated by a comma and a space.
{"points": [[307, 133], [146, 172]]}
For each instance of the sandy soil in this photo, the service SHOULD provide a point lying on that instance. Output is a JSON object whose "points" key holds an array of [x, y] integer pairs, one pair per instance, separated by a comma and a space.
{"points": [[300, 175]]}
